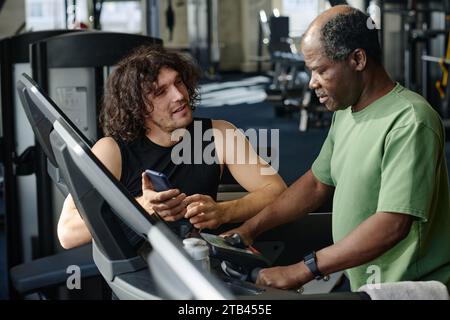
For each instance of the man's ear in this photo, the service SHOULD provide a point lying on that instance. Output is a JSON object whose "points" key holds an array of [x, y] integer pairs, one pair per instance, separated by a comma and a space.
{"points": [[358, 59]]}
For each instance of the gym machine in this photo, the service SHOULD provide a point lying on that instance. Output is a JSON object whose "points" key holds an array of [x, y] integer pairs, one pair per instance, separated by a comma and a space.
{"points": [[20, 221], [72, 70], [289, 90], [424, 30]]}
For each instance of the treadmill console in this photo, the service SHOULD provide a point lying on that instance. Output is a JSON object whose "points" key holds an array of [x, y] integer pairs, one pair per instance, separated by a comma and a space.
{"points": [[223, 250]]}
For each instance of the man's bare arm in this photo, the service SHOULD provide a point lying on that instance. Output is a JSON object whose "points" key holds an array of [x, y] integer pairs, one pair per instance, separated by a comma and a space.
{"points": [[253, 173], [369, 240], [72, 231], [372, 238]]}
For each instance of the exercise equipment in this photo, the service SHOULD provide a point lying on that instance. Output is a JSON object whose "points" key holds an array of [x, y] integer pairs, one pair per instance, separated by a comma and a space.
{"points": [[289, 90], [73, 71], [18, 151]]}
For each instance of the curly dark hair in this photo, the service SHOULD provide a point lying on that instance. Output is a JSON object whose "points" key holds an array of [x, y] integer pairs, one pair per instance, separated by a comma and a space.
{"points": [[348, 31], [125, 105]]}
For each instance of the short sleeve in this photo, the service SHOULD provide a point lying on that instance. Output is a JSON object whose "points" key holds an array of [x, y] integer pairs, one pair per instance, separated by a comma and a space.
{"points": [[409, 171], [321, 167]]}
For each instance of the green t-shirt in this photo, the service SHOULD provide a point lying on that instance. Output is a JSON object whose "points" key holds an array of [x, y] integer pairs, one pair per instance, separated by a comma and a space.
{"points": [[390, 157]]}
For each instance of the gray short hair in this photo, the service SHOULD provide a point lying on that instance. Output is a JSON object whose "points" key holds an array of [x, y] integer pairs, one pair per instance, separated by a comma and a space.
{"points": [[345, 32]]}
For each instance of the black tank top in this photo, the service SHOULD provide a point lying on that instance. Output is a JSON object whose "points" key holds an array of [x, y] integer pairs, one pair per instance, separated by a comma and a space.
{"points": [[196, 177]]}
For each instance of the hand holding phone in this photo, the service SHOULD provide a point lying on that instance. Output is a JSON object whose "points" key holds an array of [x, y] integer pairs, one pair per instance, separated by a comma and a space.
{"points": [[159, 180], [161, 197]]}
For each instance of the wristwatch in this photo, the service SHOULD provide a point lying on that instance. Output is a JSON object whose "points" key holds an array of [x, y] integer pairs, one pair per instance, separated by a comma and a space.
{"points": [[311, 262]]}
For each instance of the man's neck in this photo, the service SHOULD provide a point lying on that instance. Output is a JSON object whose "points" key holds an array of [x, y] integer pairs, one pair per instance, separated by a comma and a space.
{"points": [[376, 85], [160, 137]]}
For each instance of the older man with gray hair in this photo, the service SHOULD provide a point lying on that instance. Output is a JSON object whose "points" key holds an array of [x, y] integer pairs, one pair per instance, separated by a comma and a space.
{"points": [[383, 163]]}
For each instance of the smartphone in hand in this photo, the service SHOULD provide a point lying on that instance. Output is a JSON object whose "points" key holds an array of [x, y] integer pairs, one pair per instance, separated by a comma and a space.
{"points": [[159, 180]]}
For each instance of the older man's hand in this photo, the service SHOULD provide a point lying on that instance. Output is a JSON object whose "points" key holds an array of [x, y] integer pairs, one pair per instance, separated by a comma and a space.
{"points": [[287, 277]]}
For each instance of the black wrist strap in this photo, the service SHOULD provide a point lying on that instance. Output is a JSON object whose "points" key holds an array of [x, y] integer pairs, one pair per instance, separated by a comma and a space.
{"points": [[311, 262]]}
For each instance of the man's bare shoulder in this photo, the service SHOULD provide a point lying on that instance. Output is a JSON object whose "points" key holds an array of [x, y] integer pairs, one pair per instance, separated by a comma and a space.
{"points": [[108, 152], [106, 145], [222, 125]]}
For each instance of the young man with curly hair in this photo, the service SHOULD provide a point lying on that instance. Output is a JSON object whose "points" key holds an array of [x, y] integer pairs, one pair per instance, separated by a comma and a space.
{"points": [[149, 97]]}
